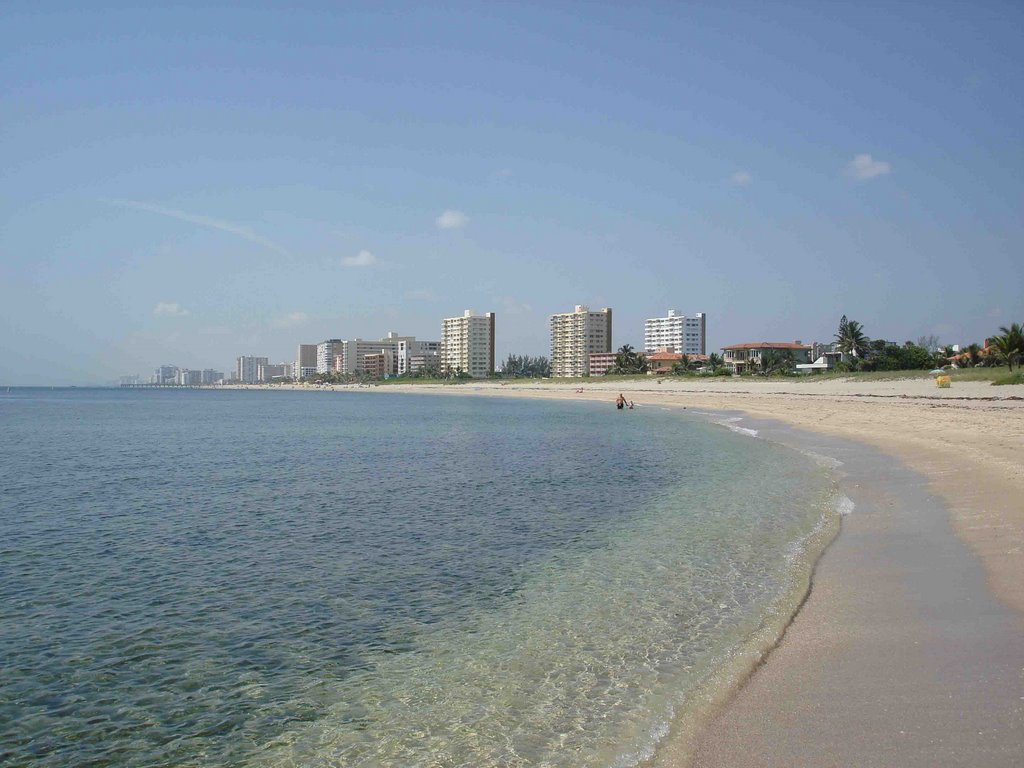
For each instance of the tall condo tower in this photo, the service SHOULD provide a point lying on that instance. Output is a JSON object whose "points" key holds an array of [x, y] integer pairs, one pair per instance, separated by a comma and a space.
{"points": [[247, 368], [575, 336], [325, 352], [686, 335], [305, 361], [467, 344]]}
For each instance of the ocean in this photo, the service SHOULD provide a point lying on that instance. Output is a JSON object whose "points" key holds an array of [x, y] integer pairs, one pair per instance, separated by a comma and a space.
{"points": [[274, 578]]}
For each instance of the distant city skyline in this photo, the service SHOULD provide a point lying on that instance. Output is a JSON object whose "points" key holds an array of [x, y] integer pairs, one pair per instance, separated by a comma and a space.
{"points": [[187, 184]]}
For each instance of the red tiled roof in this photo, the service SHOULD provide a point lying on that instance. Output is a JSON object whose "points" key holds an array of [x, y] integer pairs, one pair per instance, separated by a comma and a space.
{"points": [[769, 345]]}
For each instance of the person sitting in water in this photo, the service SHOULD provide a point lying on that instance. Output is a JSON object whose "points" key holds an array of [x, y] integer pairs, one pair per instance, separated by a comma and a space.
{"points": [[631, 405], [620, 402]]}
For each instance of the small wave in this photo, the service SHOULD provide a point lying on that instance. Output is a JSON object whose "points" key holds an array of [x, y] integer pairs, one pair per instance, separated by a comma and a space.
{"points": [[828, 462], [730, 423], [844, 505]]}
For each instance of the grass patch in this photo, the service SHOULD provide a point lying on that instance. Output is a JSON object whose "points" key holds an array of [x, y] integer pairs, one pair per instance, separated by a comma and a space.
{"points": [[403, 382], [1009, 378], [958, 374]]}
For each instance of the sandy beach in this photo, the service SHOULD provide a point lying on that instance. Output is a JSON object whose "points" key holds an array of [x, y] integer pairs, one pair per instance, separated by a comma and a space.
{"points": [[909, 649]]}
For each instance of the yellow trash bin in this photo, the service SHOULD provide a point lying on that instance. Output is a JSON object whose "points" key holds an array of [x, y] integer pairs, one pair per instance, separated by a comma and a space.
{"points": [[943, 382]]}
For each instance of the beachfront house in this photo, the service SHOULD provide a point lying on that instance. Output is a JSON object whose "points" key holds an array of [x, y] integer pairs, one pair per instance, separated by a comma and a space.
{"points": [[824, 362], [743, 357], [664, 360]]}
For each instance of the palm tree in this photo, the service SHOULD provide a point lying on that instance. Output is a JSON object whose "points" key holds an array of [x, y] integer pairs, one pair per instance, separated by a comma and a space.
{"points": [[851, 340], [627, 361], [774, 361], [715, 362], [1010, 344], [973, 354]]}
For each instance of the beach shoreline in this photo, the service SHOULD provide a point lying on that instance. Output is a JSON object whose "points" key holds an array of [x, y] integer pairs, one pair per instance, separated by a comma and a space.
{"points": [[958, 450]]}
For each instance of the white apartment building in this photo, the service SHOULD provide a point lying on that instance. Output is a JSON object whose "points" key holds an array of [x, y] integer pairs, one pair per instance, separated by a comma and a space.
{"points": [[305, 362], [575, 336], [247, 369], [467, 344], [687, 335], [325, 352], [411, 354], [406, 347]]}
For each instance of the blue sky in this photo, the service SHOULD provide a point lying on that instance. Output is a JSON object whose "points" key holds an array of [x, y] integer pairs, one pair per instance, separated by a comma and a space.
{"points": [[186, 185]]}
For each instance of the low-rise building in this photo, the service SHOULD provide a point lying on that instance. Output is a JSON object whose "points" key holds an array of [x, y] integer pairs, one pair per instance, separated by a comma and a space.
{"points": [[741, 357], [423, 360], [600, 362], [378, 365], [823, 362], [664, 360]]}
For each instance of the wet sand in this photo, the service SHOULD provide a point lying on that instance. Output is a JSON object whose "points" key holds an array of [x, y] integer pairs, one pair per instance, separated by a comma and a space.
{"points": [[901, 655]]}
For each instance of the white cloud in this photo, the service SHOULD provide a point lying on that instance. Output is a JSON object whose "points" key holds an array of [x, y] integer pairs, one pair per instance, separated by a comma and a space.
{"points": [[291, 320], [204, 221], [361, 259], [169, 309], [741, 179], [864, 167], [451, 220]]}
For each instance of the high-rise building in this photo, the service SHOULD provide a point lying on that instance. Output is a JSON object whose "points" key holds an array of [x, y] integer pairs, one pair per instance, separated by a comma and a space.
{"points": [[188, 377], [247, 369], [305, 362], [210, 376], [575, 336], [165, 374], [412, 354], [467, 344], [268, 373], [325, 354], [352, 351], [687, 335]]}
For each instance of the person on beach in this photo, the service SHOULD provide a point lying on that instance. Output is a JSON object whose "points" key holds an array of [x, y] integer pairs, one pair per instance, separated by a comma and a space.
{"points": [[631, 405], [620, 402]]}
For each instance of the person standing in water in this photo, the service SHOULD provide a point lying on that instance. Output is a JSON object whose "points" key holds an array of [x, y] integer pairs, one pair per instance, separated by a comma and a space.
{"points": [[620, 402]]}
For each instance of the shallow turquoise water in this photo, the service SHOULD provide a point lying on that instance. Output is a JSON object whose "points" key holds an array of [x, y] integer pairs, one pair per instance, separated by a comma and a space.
{"points": [[275, 578]]}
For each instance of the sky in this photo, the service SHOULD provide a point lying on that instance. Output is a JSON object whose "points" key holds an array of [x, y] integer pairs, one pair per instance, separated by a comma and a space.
{"points": [[183, 185]]}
